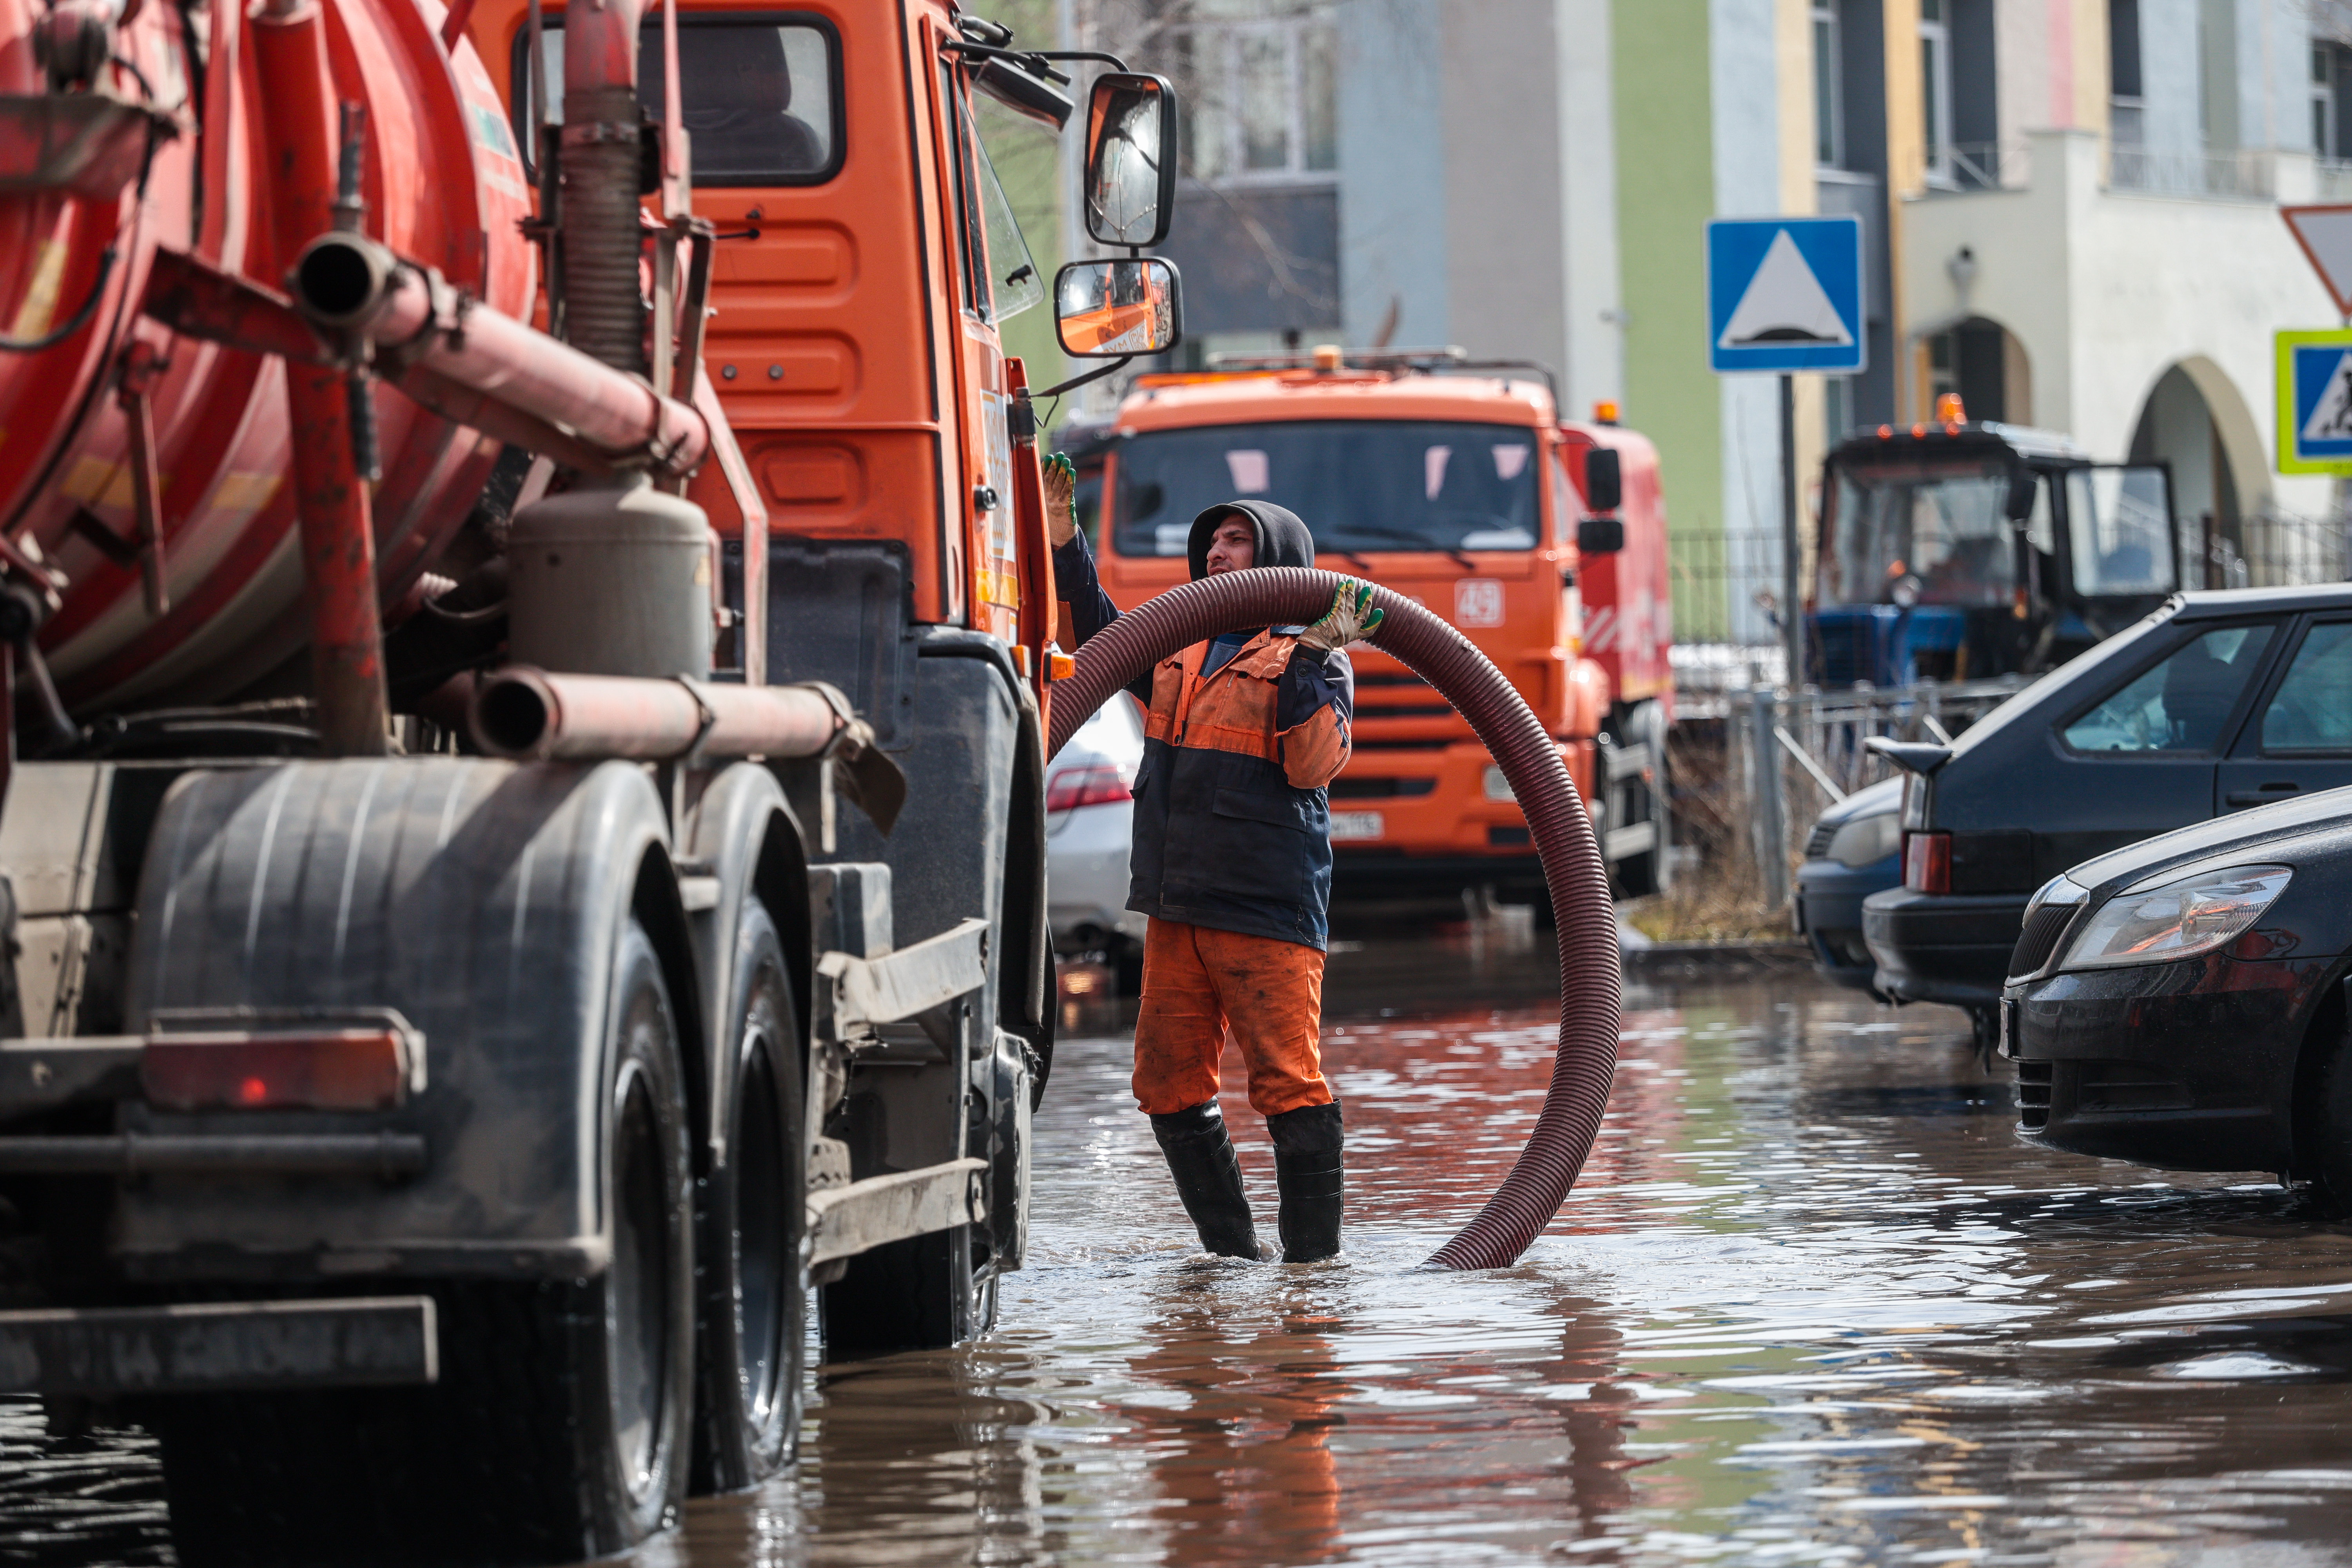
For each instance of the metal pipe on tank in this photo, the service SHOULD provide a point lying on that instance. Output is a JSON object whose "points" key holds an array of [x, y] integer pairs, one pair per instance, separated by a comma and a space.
{"points": [[348, 282], [522, 712], [333, 502]]}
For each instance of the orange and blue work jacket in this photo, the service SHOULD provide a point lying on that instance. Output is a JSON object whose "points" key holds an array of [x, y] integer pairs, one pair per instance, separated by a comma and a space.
{"points": [[1233, 818]]}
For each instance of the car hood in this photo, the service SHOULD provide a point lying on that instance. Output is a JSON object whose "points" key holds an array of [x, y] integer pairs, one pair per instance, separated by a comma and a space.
{"points": [[2291, 830]]}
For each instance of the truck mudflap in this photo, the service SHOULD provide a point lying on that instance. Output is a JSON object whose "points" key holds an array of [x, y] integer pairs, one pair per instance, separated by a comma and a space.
{"points": [[218, 1347]]}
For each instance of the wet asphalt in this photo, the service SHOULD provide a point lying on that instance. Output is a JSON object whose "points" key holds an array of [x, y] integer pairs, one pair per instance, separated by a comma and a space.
{"points": [[1813, 1302]]}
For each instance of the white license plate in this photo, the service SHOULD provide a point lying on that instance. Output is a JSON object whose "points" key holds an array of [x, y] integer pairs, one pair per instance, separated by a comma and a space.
{"points": [[1357, 825]]}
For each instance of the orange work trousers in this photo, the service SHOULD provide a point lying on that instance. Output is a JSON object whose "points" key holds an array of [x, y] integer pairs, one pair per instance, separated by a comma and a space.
{"points": [[1198, 983]]}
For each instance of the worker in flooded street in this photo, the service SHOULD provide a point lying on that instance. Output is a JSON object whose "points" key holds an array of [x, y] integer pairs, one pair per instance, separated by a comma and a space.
{"points": [[1231, 862]]}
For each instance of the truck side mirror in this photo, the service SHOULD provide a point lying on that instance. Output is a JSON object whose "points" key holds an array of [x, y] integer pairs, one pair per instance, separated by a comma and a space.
{"points": [[1130, 185], [1604, 482], [1601, 535], [2021, 486], [1106, 310]]}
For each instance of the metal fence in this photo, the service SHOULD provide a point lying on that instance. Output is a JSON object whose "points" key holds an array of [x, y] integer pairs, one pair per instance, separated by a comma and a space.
{"points": [[2247, 174]]}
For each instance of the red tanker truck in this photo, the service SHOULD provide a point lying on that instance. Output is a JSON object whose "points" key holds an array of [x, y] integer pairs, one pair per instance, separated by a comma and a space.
{"points": [[524, 634]]}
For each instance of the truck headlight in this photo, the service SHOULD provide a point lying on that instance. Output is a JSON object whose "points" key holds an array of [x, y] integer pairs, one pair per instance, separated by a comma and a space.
{"points": [[2178, 918], [1497, 786], [1866, 840]]}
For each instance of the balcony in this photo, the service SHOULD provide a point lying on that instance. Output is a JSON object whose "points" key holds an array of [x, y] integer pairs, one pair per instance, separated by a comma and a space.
{"points": [[2236, 175]]}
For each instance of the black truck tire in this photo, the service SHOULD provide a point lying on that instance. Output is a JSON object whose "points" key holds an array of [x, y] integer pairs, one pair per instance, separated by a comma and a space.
{"points": [[558, 1429], [1645, 800], [919, 1294], [754, 1291]]}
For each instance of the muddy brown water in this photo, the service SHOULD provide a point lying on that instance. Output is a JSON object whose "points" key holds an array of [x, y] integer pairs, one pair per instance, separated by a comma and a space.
{"points": [[1813, 1302]]}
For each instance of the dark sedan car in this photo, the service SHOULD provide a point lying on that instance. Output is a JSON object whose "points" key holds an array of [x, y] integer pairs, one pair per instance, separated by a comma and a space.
{"points": [[2216, 702], [2179, 1004], [1855, 849]]}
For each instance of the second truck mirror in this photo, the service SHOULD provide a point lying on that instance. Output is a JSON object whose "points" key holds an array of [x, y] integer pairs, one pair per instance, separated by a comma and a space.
{"points": [[1103, 309], [1131, 159], [1605, 480], [1601, 536]]}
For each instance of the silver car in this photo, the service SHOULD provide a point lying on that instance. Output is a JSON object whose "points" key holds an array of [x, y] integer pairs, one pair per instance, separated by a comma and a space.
{"points": [[1090, 822]]}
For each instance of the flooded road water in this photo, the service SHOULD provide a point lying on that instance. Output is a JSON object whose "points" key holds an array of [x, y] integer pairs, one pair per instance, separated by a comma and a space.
{"points": [[1813, 1302]]}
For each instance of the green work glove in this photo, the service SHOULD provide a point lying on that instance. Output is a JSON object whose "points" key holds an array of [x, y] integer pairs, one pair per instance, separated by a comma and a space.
{"points": [[1351, 619], [1061, 498]]}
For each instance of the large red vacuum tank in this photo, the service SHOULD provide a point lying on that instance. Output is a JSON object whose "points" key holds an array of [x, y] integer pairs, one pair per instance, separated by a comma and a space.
{"points": [[442, 186]]}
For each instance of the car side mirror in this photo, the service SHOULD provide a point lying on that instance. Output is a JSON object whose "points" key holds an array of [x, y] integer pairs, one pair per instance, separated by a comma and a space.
{"points": [[1601, 535], [1605, 480], [1131, 179], [1107, 309]]}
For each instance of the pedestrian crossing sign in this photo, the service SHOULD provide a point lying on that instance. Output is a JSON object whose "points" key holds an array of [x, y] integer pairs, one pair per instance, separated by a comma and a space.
{"points": [[1785, 294], [2314, 402]]}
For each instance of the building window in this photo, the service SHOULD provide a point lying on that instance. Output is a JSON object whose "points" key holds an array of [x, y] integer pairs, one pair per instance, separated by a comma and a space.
{"points": [[1936, 86], [1828, 69], [1258, 97], [2324, 139], [2124, 113]]}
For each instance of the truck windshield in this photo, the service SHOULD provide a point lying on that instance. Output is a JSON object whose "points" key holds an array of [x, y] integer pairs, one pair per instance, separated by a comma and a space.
{"points": [[1943, 526], [1359, 484]]}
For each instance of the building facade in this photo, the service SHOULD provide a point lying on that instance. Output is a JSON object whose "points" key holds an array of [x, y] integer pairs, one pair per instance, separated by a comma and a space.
{"points": [[2069, 211]]}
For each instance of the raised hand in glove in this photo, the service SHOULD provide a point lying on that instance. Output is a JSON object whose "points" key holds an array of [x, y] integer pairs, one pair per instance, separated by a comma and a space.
{"points": [[1061, 498], [1351, 619]]}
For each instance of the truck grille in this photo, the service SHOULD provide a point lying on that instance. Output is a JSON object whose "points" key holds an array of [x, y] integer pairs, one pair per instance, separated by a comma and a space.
{"points": [[2040, 936], [1818, 846], [2033, 1096], [1345, 788]]}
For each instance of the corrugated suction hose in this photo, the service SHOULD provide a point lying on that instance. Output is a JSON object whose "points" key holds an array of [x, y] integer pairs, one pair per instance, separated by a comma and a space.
{"points": [[1591, 993]]}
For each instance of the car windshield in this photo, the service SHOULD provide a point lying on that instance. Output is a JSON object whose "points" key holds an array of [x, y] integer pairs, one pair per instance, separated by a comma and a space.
{"points": [[1359, 484], [1941, 524]]}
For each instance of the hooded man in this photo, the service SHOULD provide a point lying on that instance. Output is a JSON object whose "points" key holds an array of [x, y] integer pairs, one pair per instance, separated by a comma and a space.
{"points": [[1232, 861]]}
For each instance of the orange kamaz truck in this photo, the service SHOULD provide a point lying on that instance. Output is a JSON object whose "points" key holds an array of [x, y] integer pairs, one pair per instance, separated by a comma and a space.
{"points": [[1454, 481], [524, 617]]}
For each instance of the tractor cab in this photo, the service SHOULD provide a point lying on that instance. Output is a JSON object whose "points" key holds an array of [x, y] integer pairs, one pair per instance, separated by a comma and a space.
{"points": [[1965, 551]]}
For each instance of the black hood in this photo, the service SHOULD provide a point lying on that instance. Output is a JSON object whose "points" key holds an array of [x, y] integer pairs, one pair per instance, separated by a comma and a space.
{"points": [[1282, 539]]}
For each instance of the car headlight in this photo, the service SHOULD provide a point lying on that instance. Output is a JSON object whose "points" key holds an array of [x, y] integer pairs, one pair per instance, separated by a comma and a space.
{"points": [[1866, 840], [2178, 918]]}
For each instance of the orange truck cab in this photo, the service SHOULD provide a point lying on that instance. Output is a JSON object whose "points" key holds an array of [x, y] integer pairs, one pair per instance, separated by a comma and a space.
{"points": [[1457, 486]]}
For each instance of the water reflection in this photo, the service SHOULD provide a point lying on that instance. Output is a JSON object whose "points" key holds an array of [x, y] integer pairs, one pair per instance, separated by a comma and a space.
{"points": [[1813, 1304]]}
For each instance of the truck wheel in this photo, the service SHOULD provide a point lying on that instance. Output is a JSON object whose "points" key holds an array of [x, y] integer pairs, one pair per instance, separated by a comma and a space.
{"points": [[558, 1428], [917, 1294], [754, 1290], [1640, 800]]}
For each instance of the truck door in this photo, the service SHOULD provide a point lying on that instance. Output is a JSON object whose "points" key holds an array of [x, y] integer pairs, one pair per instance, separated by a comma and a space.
{"points": [[2123, 554], [996, 279], [2300, 739]]}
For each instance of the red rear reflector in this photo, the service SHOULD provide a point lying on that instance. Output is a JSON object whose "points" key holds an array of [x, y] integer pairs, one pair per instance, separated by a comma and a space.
{"points": [[1085, 787], [1927, 862], [335, 1069]]}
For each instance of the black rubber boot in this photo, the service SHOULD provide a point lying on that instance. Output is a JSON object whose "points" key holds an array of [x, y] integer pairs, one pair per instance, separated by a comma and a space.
{"points": [[1307, 1166], [1208, 1179]]}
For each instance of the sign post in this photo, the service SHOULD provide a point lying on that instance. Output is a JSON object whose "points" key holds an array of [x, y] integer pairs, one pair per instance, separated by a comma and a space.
{"points": [[1784, 295]]}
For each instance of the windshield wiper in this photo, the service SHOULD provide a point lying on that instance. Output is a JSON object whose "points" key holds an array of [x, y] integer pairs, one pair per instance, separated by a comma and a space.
{"points": [[1414, 540]]}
